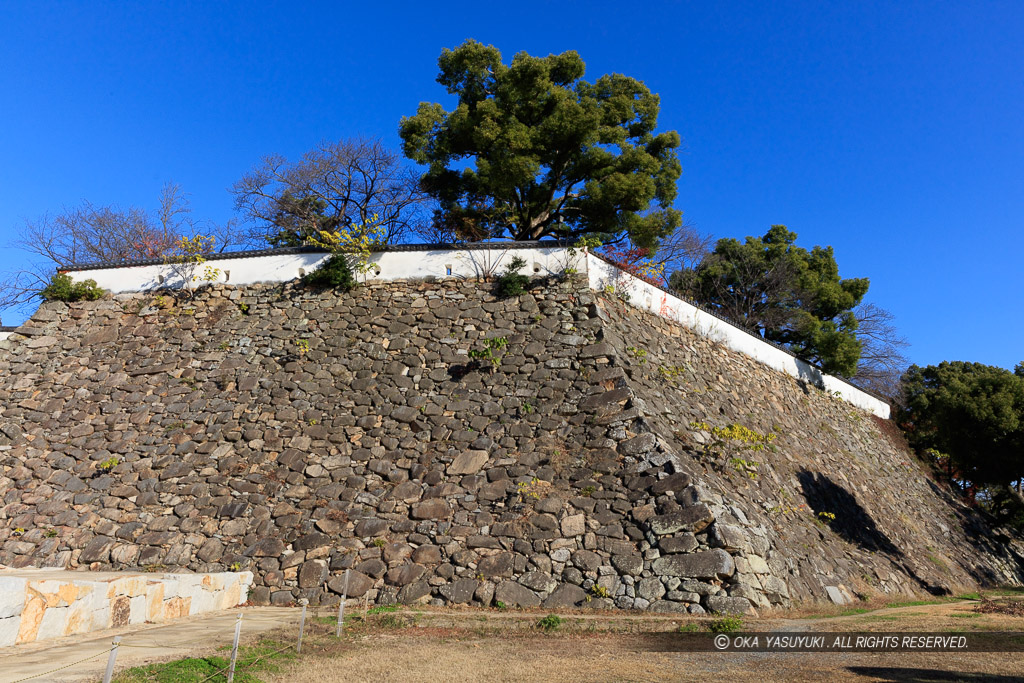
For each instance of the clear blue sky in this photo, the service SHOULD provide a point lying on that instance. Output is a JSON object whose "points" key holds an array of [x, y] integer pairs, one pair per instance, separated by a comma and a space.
{"points": [[892, 131]]}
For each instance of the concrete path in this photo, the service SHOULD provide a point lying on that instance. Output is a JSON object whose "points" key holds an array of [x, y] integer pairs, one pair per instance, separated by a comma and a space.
{"points": [[48, 661]]}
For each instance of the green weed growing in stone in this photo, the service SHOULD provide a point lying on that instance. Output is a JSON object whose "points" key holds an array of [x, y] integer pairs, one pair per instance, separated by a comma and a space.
{"points": [[379, 542], [599, 591], [671, 373], [639, 354], [528, 490], [550, 623], [732, 441], [107, 465], [302, 346], [488, 353]]}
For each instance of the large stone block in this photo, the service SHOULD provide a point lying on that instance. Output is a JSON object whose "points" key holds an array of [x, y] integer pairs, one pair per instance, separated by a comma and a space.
{"points": [[720, 604], [12, 596], [693, 519], [469, 462], [706, 565], [513, 594]]}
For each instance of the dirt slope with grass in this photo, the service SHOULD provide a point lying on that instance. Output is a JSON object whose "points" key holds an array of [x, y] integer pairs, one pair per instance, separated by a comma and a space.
{"points": [[444, 446]]}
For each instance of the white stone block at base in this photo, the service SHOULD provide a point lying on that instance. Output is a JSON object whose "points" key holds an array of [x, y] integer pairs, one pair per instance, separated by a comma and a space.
{"points": [[9, 630]]}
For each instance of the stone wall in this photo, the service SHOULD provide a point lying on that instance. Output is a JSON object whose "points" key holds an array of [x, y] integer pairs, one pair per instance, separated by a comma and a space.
{"points": [[449, 447], [41, 604]]}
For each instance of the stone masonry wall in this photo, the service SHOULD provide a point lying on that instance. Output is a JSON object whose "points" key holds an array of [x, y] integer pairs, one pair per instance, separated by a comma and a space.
{"points": [[297, 433]]}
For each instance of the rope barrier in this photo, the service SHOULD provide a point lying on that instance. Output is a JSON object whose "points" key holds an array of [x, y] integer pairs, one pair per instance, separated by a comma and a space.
{"points": [[147, 646], [61, 668]]}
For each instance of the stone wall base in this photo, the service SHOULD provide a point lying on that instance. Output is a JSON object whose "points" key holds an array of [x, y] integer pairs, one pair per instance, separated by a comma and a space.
{"points": [[39, 604]]}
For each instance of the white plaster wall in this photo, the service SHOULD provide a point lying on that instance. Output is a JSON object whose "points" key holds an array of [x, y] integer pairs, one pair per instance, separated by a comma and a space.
{"points": [[648, 297], [388, 265]]}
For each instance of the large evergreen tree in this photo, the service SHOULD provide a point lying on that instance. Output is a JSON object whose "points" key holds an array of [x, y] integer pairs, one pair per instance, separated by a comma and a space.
{"points": [[533, 150], [972, 414], [783, 292]]}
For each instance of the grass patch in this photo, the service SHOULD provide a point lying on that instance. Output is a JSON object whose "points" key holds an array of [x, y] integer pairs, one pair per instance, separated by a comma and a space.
{"points": [[260, 657], [919, 603], [969, 596], [964, 615], [550, 623], [382, 609], [725, 625]]}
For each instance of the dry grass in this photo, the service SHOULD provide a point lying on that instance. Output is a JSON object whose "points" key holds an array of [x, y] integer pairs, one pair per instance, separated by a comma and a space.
{"points": [[474, 645]]}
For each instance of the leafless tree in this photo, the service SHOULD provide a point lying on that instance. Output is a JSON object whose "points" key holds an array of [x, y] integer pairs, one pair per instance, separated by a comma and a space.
{"points": [[102, 234], [684, 248], [333, 185], [882, 360]]}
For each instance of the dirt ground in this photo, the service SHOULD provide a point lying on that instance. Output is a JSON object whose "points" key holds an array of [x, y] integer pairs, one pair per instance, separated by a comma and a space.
{"points": [[487, 646]]}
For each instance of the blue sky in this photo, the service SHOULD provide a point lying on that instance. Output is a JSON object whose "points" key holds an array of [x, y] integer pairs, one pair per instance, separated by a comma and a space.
{"points": [[892, 131]]}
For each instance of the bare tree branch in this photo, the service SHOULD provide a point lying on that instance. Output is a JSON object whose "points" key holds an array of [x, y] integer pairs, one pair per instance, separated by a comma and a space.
{"points": [[882, 359], [334, 184], [102, 234]]}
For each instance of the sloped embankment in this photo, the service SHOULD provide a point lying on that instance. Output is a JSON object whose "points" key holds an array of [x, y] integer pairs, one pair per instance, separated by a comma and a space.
{"points": [[443, 445], [840, 500]]}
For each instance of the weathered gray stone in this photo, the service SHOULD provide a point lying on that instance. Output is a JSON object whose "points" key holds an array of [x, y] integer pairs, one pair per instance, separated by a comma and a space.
{"points": [[727, 536], [312, 574], [538, 581], [495, 565], [358, 583], [694, 519], [684, 542], [435, 508], [632, 565], [726, 605], [371, 526], [469, 462], [513, 594], [566, 596], [460, 591], [706, 565], [574, 525], [667, 606], [650, 589]]}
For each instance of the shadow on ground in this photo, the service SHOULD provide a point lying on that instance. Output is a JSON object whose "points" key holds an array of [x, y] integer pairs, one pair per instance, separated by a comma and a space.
{"points": [[892, 673]]}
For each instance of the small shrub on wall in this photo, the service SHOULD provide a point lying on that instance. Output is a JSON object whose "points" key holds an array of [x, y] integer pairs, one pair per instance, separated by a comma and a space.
{"points": [[335, 272], [63, 288]]}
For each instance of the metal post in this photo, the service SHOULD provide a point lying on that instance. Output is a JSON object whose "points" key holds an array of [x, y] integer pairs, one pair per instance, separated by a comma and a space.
{"points": [[112, 660], [341, 607], [302, 625], [234, 648]]}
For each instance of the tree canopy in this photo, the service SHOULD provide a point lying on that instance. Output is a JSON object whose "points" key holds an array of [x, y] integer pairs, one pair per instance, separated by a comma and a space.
{"points": [[532, 150], [334, 185], [783, 292], [971, 413]]}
